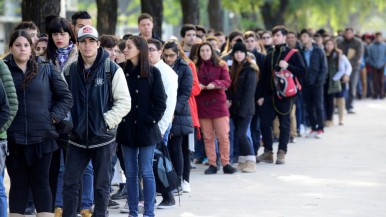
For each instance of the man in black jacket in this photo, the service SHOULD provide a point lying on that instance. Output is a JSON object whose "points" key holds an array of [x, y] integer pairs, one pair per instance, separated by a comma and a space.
{"points": [[271, 105], [316, 64], [101, 100]]}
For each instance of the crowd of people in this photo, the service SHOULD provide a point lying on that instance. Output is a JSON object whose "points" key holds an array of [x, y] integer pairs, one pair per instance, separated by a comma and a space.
{"points": [[74, 102]]}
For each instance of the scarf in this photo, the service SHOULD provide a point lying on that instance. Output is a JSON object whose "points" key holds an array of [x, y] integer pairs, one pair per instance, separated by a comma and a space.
{"points": [[63, 54]]}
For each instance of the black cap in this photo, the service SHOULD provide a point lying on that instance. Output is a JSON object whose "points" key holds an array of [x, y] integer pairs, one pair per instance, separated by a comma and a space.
{"points": [[239, 46]]}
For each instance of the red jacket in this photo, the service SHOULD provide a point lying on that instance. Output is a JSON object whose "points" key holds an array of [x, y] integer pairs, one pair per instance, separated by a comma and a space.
{"points": [[212, 103], [195, 91]]}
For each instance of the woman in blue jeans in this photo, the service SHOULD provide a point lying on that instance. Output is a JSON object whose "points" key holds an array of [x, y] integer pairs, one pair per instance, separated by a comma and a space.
{"points": [[138, 133]]}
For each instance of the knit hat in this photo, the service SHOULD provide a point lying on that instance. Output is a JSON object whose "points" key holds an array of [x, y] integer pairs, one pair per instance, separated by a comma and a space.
{"points": [[87, 32], [239, 46]]}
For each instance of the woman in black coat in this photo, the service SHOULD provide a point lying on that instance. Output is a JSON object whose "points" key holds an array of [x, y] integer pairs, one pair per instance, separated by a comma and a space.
{"points": [[241, 96], [44, 99], [138, 133]]}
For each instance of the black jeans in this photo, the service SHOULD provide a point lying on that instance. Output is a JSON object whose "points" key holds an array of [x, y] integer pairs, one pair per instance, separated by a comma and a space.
{"points": [[255, 129], [313, 100], [54, 173], [76, 163], [241, 127], [23, 176], [268, 113], [175, 152]]}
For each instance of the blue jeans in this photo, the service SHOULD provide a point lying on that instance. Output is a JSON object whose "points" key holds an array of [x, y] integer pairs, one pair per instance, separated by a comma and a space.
{"points": [[87, 187], [140, 158], [3, 196], [76, 163]]}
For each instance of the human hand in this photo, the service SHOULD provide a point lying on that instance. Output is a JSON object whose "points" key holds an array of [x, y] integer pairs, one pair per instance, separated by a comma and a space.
{"points": [[283, 64], [345, 79], [210, 86], [260, 101]]}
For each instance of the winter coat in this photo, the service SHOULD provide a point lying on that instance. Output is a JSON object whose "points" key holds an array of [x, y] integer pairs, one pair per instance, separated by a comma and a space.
{"points": [[317, 70]]}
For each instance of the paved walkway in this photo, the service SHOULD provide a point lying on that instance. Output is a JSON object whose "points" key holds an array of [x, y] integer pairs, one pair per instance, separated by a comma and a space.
{"points": [[343, 174]]}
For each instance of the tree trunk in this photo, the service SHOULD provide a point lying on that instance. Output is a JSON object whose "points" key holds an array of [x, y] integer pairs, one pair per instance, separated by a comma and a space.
{"points": [[216, 15], [272, 17], [37, 10], [156, 10], [190, 11], [107, 16]]}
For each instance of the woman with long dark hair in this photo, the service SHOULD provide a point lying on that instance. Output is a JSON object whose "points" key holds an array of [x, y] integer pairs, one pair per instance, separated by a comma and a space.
{"points": [[44, 99], [138, 133], [241, 96]]}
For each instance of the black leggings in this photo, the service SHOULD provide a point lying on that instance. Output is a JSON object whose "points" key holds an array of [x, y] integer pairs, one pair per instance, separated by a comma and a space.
{"points": [[186, 156], [241, 127], [23, 176], [54, 173], [178, 147]]}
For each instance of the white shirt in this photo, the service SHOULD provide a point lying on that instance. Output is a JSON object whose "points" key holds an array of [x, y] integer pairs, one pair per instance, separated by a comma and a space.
{"points": [[170, 81]]}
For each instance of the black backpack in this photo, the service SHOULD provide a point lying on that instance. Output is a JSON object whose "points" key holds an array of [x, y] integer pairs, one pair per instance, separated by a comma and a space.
{"points": [[166, 178]]}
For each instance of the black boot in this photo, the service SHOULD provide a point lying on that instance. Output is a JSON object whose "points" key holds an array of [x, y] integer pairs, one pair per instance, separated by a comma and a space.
{"points": [[121, 193], [168, 201]]}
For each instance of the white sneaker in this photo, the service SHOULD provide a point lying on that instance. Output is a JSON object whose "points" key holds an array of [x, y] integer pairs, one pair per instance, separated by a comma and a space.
{"points": [[319, 134], [185, 187], [141, 207], [125, 208], [311, 134]]}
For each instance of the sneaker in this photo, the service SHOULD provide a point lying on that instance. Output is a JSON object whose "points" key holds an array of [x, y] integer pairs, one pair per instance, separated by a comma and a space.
{"points": [[58, 212], [266, 157], [121, 193], [141, 207], [166, 204], [311, 134], [319, 134], [185, 186], [205, 162], [192, 165], [86, 213], [211, 170], [351, 111], [125, 208], [292, 139], [113, 204], [199, 160], [280, 157], [228, 169]]}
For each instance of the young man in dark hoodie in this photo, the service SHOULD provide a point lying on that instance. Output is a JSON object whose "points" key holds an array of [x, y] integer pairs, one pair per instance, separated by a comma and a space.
{"points": [[271, 105]]}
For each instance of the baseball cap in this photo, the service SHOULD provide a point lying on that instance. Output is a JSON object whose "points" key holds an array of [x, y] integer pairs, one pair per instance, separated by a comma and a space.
{"points": [[87, 32]]}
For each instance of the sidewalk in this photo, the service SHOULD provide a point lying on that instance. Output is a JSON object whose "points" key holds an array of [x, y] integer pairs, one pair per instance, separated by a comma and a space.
{"points": [[343, 174]]}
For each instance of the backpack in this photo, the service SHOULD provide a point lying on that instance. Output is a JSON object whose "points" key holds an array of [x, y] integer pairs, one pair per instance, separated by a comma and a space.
{"points": [[287, 85], [166, 178]]}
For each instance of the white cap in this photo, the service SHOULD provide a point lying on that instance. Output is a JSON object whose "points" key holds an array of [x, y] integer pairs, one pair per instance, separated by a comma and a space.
{"points": [[87, 32]]}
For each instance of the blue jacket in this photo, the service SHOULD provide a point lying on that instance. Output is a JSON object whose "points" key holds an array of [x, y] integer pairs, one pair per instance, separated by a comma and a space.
{"points": [[45, 98], [317, 70], [91, 101]]}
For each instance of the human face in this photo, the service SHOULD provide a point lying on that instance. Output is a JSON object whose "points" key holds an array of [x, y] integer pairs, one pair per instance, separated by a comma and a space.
{"points": [[205, 52], [41, 48], [169, 56], [329, 46], [348, 34], [190, 37], [267, 39], [21, 49], [305, 39], [200, 33], [61, 39], [120, 57], [154, 54], [279, 38], [80, 23], [131, 51], [379, 38], [145, 27], [221, 40], [88, 47], [214, 44], [234, 40], [291, 40], [239, 56], [250, 43], [33, 33], [112, 52]]}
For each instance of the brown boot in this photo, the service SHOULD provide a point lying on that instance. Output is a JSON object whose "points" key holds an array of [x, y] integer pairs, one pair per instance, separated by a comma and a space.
{"points": [[266, 157], [250, 167], [58, 212], [341, 103], [280, 157], [86, 213]]}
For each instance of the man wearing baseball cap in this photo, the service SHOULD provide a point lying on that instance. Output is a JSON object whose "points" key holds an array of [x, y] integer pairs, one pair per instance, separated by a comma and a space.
{"points": [[101, 100]]}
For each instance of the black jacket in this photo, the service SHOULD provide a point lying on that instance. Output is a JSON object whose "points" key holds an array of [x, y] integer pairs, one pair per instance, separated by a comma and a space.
{"points": [[295, 65], [260, 58], [317, 71], [148, 101], [4, 105], [46, 98], [182, 122], [242, 98], [91, 101]]}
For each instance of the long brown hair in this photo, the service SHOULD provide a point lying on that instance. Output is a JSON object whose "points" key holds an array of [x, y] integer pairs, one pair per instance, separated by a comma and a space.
{"points": [[143, 60], [335, 50], [236, 69], [215, 59], [32, 65]]}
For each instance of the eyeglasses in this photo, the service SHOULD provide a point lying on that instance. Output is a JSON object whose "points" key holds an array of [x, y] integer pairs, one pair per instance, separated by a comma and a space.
{"points": [[266, 37], [152, 49], [166, 56]]}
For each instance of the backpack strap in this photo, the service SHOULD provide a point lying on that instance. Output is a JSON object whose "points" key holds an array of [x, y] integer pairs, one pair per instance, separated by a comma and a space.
{"points": [[109, 76], [67, 70], [289, 54]]}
